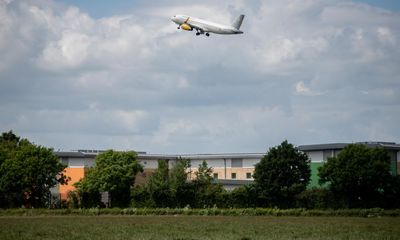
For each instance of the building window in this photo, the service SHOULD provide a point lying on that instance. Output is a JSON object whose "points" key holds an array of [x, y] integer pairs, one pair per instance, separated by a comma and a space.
{"points": [[248, 175], [215, 175], [233, 175], [237, 163]]}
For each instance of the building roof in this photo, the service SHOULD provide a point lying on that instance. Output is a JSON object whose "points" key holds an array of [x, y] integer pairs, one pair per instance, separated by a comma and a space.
{"points": [[203, 156], [144, 155], [338, 146], [316, 147], [73, 154]]}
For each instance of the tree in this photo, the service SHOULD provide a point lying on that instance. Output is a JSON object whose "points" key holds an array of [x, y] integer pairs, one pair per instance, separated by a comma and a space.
{"points": [[87, 193], [182, 190], [281, 174], [203, 174], [158, 186], [169, 187], [114, 172], [27, 172], [359, 176], [8, 144], [207, 193]]}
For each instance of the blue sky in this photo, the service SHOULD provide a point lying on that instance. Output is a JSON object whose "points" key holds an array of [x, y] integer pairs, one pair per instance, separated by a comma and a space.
{"points": [[118, 74], [387, 4]]}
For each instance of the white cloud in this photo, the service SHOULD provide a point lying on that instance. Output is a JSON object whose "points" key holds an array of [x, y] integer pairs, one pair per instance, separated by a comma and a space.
{"points": [[302, 89], [309, 71], [386, 36]]}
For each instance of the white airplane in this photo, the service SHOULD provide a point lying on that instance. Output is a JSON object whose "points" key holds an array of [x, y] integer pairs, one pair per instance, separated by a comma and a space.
{"points": [[205, 27]]}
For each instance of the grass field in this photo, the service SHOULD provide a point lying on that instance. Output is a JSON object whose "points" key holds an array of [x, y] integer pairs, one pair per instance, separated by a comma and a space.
{"points": [[197, 227]]}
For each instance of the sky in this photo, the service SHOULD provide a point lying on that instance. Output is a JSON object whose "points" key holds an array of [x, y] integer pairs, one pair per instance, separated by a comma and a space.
{"points": [[119, 75]]}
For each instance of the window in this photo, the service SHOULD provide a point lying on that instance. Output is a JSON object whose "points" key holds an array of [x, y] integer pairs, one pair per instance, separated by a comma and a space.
{"points": [[248, 175], [238, 163], [215, 175], [233, 175]]}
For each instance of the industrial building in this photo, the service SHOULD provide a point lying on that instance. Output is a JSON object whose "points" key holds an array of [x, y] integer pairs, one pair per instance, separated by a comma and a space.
{"points": [[231, 170]]}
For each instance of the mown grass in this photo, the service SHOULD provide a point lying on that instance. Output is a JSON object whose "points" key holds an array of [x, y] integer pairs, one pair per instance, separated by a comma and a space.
{"points": [[197, 227]]}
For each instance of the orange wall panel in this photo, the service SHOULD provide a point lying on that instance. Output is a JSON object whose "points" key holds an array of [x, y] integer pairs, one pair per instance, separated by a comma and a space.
{"points": [[75, 174]]}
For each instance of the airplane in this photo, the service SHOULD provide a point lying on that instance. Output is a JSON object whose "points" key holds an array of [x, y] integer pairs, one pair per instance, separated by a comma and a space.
{"points": [[201, 26]]}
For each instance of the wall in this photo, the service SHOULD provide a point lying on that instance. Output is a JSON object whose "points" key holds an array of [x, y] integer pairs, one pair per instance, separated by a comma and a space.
{"points": [[75, 174], [314, 174], [316, 156]]}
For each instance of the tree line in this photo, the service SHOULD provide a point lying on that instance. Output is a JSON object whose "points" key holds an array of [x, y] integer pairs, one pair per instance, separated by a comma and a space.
{"points": [[358, 177]]}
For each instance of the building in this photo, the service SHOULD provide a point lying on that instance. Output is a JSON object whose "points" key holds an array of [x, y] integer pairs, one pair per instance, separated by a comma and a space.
{"points": [[76, 162], [319, 154], [231, 170]]}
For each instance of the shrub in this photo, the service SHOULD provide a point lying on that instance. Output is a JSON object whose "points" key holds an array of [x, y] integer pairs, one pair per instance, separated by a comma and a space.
{"points": [[315, 198]]}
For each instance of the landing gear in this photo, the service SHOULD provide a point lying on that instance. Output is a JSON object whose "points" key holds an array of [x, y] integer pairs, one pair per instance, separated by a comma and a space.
{"points": [[200, 32]]}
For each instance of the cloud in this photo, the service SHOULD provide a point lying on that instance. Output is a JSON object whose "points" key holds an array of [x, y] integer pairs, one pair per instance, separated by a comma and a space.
{"points": [[302, 89], [307, 71]]}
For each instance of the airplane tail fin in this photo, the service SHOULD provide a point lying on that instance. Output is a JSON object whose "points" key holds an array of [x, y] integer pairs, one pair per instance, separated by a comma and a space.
{"points": [[238, 22]]}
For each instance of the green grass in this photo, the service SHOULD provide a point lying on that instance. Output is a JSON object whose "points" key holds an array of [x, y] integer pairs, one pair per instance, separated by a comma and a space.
{"points": [[373, 212], [197, 227]]}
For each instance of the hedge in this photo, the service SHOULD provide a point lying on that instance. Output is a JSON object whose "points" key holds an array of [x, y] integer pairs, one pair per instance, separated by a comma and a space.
{"points": [[374, 212]]}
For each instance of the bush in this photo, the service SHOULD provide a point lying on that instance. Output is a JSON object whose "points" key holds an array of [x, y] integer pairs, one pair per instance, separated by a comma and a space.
{"points": [[244, 196], [140, 198], [315, 198], [374, 212]]}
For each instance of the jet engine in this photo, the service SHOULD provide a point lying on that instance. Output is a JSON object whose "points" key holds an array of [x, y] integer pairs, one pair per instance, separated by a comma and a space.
{"points": [[186, 27]]}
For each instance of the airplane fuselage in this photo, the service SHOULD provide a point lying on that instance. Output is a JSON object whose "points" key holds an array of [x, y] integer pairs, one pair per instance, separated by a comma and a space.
{"points": [[203, 26]]}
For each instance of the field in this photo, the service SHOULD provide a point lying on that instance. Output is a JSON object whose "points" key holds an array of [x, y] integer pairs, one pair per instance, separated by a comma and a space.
{"points": [[197, 227]]}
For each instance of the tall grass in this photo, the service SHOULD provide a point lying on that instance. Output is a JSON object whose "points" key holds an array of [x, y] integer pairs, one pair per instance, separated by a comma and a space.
{"points": [[375, 212]]}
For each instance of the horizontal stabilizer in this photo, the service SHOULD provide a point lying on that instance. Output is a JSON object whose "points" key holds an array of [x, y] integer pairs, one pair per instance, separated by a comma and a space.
{"points": [[238, 22]]}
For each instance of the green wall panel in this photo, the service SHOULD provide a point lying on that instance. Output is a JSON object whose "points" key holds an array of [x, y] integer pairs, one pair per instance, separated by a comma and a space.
{"points": [[314, 174]]}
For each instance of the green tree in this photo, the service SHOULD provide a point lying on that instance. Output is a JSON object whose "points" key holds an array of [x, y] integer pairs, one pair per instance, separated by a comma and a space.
{"points": [[172, 188], [181, 189], [281, 174], [358, 176], [166, 187], [207, 193], [203, 174], [27, 172], [87, 193], [114, 172], [158, 186], [8, 145]]}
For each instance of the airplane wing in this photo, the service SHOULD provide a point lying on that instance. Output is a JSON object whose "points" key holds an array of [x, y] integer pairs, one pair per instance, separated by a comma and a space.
{"points": [[195, 26], [198, 28]]}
